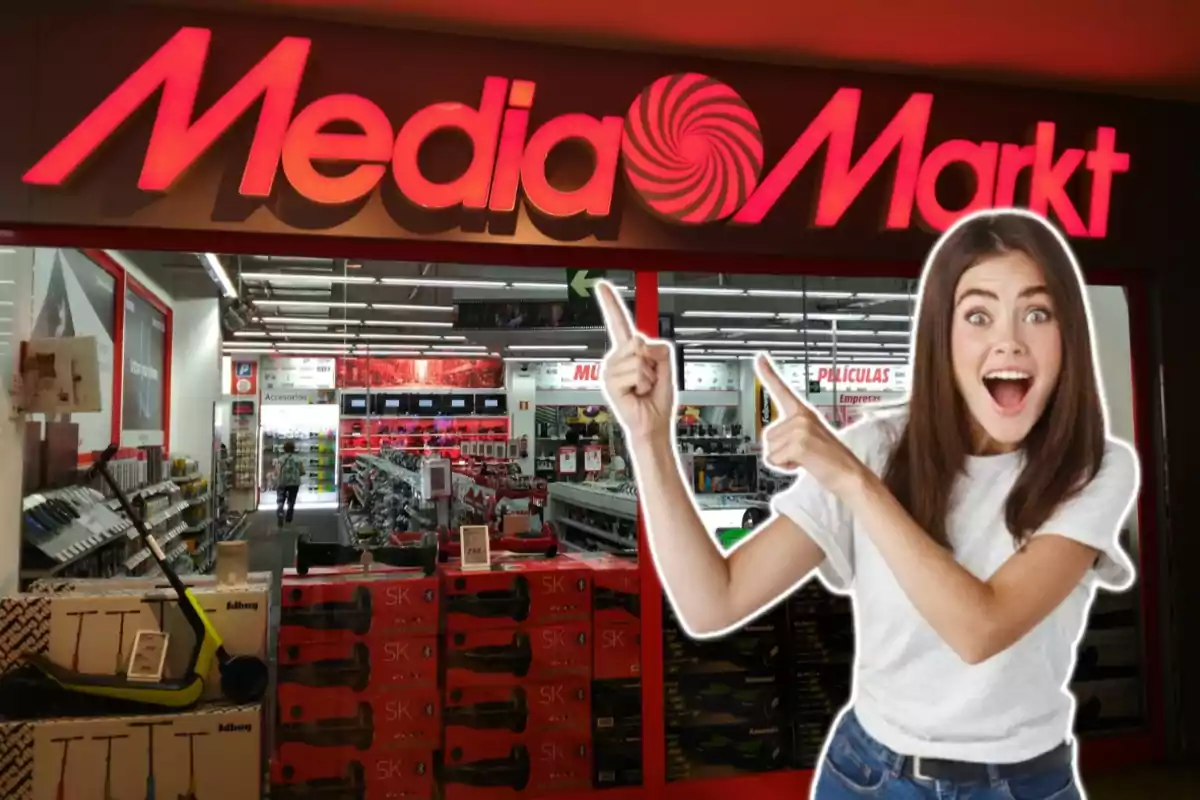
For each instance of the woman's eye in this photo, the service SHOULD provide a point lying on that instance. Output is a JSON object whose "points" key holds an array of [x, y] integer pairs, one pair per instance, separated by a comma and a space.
{"points": [[1038, 315], [977, 318]]}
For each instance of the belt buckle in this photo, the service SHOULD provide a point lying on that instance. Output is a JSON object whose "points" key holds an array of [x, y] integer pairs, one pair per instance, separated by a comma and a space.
{"points": [[918, 773]]}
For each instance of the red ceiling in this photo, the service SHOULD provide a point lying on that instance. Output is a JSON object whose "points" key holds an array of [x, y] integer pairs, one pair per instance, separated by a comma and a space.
{"points": [[1146, 47]]}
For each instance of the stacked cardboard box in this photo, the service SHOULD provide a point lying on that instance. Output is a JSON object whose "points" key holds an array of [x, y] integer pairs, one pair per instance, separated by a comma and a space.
{"points": [[211, 750], [518, 668], [358, 702]]}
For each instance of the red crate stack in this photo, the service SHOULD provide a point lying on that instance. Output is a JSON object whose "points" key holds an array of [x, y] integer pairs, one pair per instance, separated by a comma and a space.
{"points": [[617, 670], [358, 702], [518, 668]]}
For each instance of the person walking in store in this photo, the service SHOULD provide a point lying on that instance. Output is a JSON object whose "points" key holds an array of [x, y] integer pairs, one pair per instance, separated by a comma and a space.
{"points": [[289, 474], [972, 525]]}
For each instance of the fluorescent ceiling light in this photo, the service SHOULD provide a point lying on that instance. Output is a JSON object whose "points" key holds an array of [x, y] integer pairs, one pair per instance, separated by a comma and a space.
{"points": [[308, 304], [547, 347], [848, 317], [695, 330], [537, 360], [294, 259], [699, 291], [250, 333], [310, 335], [406, 323], [252, 351], [760, 330], [559, 287], [458, 347], [217, 272], [358, 350], [406, 307], [415, 337], [309, 321], [448, 282], [304, 277], [732, 314], [777, 343]]}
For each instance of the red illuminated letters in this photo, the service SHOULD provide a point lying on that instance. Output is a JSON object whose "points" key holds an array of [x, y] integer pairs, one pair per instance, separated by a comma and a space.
{"points": [[509, 159]]}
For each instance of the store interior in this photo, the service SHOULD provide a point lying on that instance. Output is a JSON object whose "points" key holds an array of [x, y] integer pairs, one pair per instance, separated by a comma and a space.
{"points": [[426, 400]]}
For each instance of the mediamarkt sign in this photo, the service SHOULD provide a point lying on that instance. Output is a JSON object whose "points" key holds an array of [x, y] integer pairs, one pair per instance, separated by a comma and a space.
{"points": [[690, 147]]}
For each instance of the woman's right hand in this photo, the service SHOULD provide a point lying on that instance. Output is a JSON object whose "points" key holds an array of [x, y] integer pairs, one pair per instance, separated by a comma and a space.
{"points": [[638, 374]]}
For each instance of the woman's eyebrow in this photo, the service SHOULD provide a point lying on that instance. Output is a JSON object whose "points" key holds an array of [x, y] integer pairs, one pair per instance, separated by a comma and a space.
{"points": [[986, 294]]}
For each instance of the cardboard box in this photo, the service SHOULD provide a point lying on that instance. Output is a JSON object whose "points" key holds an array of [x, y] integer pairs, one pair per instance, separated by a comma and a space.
{"points": [[378, 774], [341, 718], [336, 605], [539, 765], [544, 706], [213, 751], [363, 664], [511, 656], [90, 626], [518, 594]]}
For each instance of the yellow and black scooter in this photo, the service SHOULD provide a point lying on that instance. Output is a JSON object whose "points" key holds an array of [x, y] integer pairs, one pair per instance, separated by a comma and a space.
{"points": [[40, 687]]}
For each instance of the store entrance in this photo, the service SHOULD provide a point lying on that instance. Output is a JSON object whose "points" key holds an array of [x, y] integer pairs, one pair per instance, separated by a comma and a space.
{"points": [[426, 399]]}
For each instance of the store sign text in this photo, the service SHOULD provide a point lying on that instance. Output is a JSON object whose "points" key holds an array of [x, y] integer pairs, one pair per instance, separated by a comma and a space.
{"points": [[509, 160]]}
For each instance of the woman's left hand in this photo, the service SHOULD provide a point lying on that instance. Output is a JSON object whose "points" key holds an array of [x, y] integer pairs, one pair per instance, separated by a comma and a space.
{"points": [[802, 439]]}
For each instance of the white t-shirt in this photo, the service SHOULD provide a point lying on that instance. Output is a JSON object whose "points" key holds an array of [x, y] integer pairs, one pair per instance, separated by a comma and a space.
{"points": [[912, 691]]}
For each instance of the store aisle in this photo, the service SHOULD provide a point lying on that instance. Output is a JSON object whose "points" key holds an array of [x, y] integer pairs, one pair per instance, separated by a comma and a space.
{"points": [[273, 549]]}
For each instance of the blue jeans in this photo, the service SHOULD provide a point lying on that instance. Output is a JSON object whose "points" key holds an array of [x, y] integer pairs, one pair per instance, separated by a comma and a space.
{"points": [[857, 766]]}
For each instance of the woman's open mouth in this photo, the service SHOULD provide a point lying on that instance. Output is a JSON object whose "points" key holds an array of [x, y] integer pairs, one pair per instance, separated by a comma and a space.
{"points": [[1008, 389]]}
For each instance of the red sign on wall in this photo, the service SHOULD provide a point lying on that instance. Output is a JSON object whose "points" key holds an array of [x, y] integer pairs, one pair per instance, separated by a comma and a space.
{"points": [[420, 373], [244, 378], [690, 147]]}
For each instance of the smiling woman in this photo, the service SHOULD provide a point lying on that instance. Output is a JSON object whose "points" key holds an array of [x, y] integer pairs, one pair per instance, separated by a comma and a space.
{"points": [[1003, 359]]}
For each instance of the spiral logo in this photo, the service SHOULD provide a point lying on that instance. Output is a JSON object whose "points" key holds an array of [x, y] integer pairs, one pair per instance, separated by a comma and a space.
{"points": [[692, 149]]}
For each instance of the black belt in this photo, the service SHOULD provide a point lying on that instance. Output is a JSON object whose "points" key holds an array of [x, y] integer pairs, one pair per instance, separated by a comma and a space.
{"points": [[936, 769]]}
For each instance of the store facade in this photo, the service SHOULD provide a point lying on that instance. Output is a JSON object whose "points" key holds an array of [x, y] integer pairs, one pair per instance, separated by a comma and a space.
{"points": [[232, 134]]}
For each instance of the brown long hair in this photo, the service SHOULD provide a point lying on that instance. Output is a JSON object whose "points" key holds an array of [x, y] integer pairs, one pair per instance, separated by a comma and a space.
{"points": [[1064, 449]]}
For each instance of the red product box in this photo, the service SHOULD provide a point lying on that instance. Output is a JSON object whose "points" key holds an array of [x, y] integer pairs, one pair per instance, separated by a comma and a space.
{"points": [[616, 590], [339, 718], [617, 652], [509, 656], [376, 774], [531, 707], [518, 593], [482, 768], [361, 665], [330, 606]]}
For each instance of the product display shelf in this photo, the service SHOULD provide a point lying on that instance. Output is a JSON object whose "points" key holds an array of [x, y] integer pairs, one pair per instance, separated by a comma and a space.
{"points": [[392, 495], [78, 532], [595, 516], [417, 434], [316, 449]]}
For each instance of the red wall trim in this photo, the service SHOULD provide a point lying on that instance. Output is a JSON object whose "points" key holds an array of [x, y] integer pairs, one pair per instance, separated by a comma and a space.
{"points": [[106, 263], [126, 283], [654, 753]]}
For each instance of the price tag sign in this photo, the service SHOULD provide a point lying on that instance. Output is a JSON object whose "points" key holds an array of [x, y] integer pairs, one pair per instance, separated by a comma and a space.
{"points": [[476, 547], [593, 458], [566, 460], [148, 656]]}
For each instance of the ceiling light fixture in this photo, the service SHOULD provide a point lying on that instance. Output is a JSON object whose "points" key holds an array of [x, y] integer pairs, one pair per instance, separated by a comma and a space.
{"points": [[309, 321], [308, 304], [303, 277], [445, 282], [212, 265], [547, 347], [406, 307], [406, 323]]}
